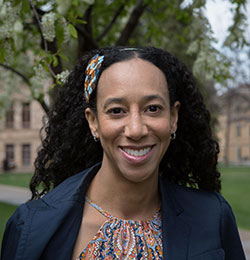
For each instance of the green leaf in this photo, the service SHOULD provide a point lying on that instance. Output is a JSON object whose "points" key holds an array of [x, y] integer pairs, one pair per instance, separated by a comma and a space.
{"points": [[59, 34], [2, 55], [12, 44], [81, 21], [25, 6], [63, 56], [17, 2], [72, 31], [55, 60], [58, 82], [49, 58], [52, 86]]}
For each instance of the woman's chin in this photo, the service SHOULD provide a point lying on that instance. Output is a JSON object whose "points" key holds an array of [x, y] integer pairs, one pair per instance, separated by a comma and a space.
{"points": [[137, 176]]}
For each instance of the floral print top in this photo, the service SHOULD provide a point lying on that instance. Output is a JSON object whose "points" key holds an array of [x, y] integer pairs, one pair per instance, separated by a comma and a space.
{"points": [[125, 239]]}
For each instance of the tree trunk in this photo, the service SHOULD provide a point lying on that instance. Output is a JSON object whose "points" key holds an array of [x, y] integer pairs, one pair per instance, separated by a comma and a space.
{"points": [[227, 132]]}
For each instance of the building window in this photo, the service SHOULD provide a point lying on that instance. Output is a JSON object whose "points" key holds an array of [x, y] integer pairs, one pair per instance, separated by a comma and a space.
{"points": [[239, 154], [238, 130], [9, 123], [26, 154], [26, 115], [238, 109], [9, 152], [9, 160]]}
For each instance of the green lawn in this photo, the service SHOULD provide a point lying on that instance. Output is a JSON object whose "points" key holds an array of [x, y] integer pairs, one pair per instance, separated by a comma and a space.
{"points": [[6, 211], [16, 179], [236, 189]]}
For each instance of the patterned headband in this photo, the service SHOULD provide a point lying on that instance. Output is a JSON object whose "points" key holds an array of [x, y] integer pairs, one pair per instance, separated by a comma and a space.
{"points": [[92, 73]]}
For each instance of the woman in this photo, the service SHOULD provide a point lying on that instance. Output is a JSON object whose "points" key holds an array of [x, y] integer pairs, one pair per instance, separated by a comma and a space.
{"points": [[136, 117]]}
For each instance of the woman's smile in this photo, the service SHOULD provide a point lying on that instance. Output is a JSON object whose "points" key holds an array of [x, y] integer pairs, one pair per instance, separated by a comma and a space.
{"points": [[139, 152], [138, 155]]}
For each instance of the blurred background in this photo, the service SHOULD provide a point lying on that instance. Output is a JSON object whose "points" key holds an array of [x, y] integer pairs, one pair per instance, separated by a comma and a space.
{"points": [[40, 41]]}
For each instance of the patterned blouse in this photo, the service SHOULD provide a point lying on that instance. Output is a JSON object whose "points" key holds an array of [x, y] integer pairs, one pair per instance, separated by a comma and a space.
{"points": [[125, 239]]}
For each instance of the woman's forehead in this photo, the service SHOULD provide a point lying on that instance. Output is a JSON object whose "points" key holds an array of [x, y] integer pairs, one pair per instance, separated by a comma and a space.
{"points": [[132, 77]]}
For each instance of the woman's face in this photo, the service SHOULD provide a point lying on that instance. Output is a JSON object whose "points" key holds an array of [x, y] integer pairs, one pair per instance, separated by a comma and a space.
{"points": [[134, 120]]}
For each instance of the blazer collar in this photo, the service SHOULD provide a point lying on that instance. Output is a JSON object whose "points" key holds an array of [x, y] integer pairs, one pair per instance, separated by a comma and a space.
{"points": [[174, 230], [72, 189]]}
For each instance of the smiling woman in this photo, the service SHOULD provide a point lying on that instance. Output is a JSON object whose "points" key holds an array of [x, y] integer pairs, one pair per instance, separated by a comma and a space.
{"points": [[132, 162], [133, 120]]}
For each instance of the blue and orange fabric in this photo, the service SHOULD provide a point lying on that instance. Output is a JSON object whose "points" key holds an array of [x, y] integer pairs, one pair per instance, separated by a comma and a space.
{"points": [[125, 239], [91, 75]]}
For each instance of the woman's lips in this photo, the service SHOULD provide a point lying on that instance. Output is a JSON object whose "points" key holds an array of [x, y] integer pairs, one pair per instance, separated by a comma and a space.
{"points": [[136, 155]]}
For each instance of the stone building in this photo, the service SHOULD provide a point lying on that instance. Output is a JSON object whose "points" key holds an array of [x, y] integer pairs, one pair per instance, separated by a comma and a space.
{"points": [[234, 126], [19, 133]]}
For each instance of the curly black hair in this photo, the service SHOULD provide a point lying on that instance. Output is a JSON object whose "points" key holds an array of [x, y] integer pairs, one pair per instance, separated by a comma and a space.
{"points": [[68, 146]]}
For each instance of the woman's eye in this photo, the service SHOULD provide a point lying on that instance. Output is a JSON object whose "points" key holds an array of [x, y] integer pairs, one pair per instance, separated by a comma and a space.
{"points": [[115, 111], [153, 108]]}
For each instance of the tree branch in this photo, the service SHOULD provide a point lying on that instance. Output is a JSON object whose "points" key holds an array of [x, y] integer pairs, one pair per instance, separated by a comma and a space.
{"points": [[106, 30], [87, 36], [41, 31], [86, 40], [132, 22], [43, 104], [25, 79]]}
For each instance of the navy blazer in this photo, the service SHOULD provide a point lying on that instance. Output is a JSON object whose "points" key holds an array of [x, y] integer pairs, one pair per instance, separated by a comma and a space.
{"points": [[196, 225]]}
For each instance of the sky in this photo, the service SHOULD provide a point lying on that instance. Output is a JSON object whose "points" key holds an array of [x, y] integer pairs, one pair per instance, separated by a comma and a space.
{"points": [[220, 18]]}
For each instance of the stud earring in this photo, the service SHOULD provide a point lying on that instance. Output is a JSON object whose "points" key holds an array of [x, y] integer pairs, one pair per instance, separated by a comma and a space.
{"points": [[173, 135], [95, 138]]}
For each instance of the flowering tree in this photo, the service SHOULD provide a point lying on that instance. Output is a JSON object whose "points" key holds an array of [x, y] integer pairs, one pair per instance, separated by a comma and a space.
{"points": [[41, 40]]}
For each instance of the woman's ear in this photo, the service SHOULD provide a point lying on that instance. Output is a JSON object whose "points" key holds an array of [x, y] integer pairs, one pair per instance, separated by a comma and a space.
{"points": [[174, 116], [91, 117]]}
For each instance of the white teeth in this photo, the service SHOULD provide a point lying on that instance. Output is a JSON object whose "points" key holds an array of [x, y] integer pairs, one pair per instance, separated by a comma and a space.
{"points": [[137, 153]]}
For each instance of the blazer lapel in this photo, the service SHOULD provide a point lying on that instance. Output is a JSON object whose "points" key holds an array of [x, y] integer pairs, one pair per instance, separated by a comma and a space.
{"points": [[175, 231], [57, 216]]}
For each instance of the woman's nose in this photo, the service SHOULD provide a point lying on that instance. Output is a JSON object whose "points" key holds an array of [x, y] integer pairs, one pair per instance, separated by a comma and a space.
{"points": [[136, 128]]}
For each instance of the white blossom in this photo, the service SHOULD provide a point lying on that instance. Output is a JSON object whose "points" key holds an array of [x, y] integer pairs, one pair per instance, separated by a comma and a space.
{"points": [[9, 85], [18, 26], [66, 32], [3, 10], [63, 6], [36, 87], [5, 30], [9, 54], [62, 76], [8, 15], [48, 25], [40, 72], [89, 2], [38, 80], [193, 48]]}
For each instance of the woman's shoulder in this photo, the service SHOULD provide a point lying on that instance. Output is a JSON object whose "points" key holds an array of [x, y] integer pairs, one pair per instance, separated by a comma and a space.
{"points": [[70, 190], [192, 199], [45, 215], [182, 190]]}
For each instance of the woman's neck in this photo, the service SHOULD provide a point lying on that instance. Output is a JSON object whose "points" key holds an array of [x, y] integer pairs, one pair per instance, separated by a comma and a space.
{"points": [[125, 199]]}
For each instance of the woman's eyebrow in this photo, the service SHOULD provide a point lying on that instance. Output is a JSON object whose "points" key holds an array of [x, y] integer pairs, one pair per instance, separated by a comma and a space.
{"points": [[151, 97], [113, 100], [146, 98]]}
